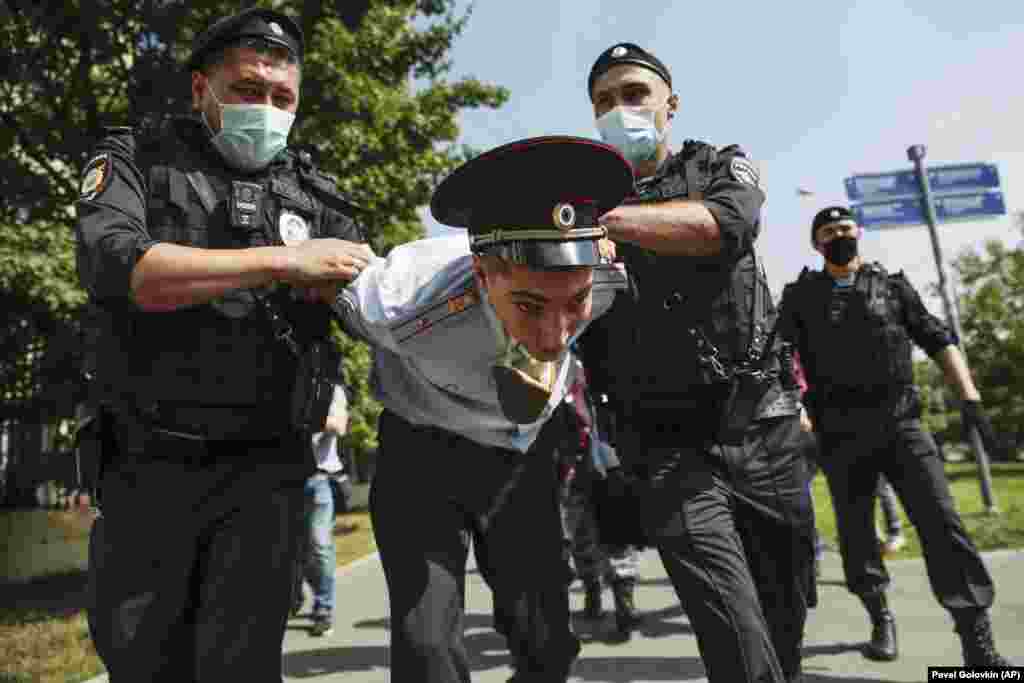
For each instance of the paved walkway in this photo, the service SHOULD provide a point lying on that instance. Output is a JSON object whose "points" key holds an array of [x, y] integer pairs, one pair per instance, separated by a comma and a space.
{"points": [[664, 649]]}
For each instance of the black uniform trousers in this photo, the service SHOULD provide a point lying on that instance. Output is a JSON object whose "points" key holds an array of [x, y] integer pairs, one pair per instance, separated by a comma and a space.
{"points": [[192, 558], [734, 526], [432, 492], [867, 442]]}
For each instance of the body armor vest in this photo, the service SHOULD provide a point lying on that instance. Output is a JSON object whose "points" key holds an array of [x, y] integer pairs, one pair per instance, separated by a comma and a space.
{"points": [[223, 353], [688, 322], [853, 342]]}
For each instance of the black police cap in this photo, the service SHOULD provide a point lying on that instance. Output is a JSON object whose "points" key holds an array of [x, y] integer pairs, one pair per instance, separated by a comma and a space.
{"points": [[830, 215], [254, 23], [536, 201], [626, 53]]}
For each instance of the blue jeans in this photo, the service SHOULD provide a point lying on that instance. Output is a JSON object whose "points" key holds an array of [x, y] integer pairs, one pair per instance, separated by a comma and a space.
{"points": [[319, 563]]}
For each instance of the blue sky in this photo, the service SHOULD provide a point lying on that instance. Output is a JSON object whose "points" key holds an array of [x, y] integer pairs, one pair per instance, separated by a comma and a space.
{"points": [[815, 92]]}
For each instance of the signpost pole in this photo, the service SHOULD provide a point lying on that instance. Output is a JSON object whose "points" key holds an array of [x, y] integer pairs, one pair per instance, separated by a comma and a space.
{"points": [[916, 154]]}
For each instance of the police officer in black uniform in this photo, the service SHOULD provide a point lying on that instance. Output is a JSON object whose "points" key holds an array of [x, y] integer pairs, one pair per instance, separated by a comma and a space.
{"points": [[706, 420], [202, 245], [854, 325]]}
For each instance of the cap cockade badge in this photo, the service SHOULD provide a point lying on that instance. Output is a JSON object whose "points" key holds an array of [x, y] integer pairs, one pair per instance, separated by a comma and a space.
{"points": [[564, 216]]}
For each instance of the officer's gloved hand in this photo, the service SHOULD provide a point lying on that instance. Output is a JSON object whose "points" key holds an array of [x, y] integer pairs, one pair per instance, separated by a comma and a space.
{"points": [[974, 416]]}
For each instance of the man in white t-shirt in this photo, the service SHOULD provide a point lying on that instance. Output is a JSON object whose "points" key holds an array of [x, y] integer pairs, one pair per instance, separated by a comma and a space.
{"points": [[316, 562]]}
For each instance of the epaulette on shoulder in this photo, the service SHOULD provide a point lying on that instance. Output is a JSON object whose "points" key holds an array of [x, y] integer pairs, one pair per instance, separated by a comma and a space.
{"points": [[875, 267], [424, 319], [121, 141], [695, 147], [324, 184]]}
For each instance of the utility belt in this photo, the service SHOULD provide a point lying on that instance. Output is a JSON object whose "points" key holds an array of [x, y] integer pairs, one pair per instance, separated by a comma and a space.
{"points": [[724, 412], [838, 409], [864, 396], [200, 422]]}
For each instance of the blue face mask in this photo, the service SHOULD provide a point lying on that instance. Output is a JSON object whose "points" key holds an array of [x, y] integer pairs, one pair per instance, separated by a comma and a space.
{"points": [[632, 131], [251, 135]]}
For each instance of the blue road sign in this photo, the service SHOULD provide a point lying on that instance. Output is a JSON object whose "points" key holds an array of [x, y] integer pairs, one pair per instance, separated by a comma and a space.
{"points": [[910, 211], [954, 178], [963, 177], [874, 215], [953, 207]]}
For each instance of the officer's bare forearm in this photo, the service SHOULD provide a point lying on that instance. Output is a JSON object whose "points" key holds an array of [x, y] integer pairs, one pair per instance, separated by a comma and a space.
{"points": [[679, 228], [170, 276], [955, 368]]}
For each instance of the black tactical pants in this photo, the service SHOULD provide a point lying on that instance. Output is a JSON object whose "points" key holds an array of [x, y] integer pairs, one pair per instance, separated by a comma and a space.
{"points": [[853, 453], [191, 560], [734, 526], [432, 492]]}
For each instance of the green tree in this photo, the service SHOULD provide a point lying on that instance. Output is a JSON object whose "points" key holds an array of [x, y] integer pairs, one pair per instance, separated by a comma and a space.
{"points": [[992, 312], [379, 111]]}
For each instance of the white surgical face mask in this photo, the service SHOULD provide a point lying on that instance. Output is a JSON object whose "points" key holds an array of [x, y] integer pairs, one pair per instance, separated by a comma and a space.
{"points": [[251, 135], [632, 131]]}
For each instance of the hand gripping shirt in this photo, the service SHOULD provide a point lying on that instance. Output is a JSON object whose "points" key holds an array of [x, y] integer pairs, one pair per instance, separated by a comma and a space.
{"points": [[436, 337]]}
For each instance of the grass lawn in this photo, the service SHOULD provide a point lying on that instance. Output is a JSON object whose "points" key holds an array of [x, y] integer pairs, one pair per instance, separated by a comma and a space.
{"points": [[44, 637], [989, 533]]}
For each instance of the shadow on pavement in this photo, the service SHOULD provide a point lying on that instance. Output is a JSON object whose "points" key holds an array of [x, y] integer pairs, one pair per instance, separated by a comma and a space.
{"points": [[831, 649], [470, 621], [486, 651], [811, 677], [626, 669]]}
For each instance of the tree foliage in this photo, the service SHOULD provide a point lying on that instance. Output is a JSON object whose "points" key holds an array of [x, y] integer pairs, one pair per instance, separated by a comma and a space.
{"points": [[992, 310], [378, 110]]}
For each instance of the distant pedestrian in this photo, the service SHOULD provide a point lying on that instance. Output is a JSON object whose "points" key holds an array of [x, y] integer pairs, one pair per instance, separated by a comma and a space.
{"points": [[316, 561]]}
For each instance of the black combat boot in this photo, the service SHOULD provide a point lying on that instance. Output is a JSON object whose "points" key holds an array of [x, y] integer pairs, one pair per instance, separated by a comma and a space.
{"points": [[882, 646], [975, 629], [625, 611], [592, 608]]}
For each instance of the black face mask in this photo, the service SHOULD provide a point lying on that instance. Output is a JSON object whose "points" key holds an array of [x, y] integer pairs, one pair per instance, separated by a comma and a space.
{"points": [[841, 250]]}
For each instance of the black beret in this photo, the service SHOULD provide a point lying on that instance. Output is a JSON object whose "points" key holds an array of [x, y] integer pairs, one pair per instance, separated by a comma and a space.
{"points": [[536, 201], [263, 24], [626, 53], [829, 215]]}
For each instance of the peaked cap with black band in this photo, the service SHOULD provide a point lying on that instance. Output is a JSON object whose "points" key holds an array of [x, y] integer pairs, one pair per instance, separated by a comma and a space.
{"points": [[626, 53], [256, 24], [831, 215], [536, 201]]}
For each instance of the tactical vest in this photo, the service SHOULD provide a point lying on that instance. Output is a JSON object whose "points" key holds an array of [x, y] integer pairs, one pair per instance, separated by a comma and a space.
{"points": [[223, 353], [689, 322], [855, 342]]}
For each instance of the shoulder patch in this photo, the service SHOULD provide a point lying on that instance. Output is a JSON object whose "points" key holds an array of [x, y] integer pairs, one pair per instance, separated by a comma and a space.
{"points": [[741, 169], [426, 319], [95, 177], [459, 303]]}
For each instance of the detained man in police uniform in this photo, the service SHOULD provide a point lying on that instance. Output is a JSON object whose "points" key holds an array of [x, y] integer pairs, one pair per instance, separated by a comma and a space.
{"points": [[471, 340]]}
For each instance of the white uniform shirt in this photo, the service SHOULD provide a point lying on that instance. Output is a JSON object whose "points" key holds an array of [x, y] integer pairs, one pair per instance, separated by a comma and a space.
{"points": [[436, 338]]}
